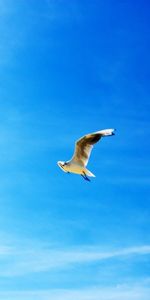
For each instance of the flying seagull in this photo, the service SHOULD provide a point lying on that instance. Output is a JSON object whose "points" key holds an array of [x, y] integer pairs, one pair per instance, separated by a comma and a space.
{"points": [[83, 147]]}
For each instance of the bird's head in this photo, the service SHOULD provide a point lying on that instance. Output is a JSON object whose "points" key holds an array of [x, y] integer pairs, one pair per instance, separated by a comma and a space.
{"points": [[62, 165]]}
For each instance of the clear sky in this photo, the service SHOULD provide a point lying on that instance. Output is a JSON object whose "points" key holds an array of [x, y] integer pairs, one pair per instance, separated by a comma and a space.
{"points": [[68, 68]]}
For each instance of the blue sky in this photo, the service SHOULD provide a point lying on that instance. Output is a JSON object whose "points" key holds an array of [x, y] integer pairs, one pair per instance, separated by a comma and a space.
{"points": [[68, 68]]}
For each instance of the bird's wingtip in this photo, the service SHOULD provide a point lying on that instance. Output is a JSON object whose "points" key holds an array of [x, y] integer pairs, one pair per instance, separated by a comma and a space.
{"points": [[114, 131]]}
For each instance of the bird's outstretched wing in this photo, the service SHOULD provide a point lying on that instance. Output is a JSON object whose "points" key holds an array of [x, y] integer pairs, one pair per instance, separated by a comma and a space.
{"points": [[84, 145]]}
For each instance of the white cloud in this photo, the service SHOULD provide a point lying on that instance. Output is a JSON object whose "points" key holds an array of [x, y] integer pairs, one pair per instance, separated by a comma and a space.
{"points": [[124, 292], [5, 251], [30, 259]]}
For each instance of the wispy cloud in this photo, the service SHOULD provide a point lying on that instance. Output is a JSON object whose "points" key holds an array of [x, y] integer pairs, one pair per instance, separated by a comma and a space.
{"points": [[124, 292], [31, 259], [5, 251]]}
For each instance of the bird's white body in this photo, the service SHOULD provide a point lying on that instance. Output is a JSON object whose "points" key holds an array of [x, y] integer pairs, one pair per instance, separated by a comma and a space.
{"points": [[71, 167], [82, 153]]}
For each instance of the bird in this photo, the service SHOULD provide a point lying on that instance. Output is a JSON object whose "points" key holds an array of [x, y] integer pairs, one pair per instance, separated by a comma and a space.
{"points": [[83, 147]]}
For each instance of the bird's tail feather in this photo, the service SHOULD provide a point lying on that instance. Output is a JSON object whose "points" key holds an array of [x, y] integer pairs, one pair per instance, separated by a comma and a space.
{"points": [[107, 132], [89, 173]]}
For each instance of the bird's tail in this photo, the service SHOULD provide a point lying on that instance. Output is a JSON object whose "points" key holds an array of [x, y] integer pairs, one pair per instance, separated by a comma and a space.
{"points": [[88, 173], [107, 132]]}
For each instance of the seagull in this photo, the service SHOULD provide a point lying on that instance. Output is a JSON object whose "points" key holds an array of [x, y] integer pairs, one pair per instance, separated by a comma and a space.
{"points": [[83, 147]]}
